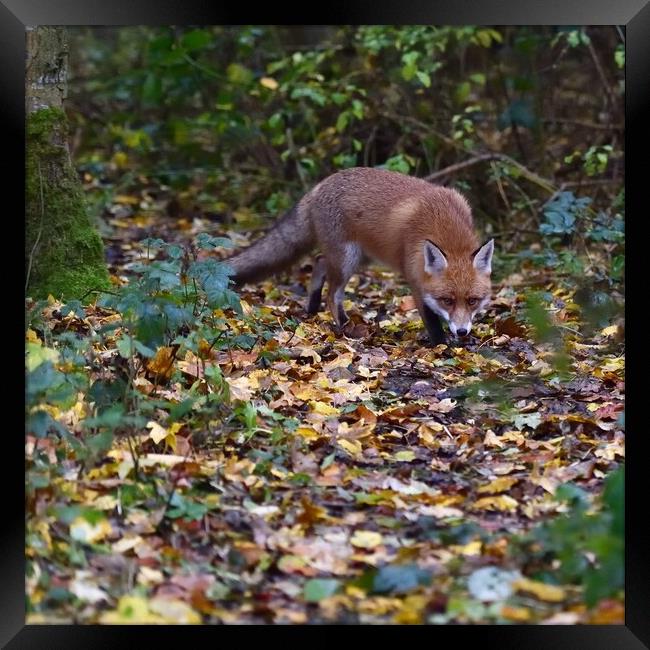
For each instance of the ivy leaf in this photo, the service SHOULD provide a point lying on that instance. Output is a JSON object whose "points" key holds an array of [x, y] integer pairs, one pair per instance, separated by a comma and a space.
{"points": [[400, 578], [319, 588]]}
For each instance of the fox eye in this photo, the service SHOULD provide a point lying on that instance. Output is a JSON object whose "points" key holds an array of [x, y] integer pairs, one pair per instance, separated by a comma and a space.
{"points": [[472, 301], [446, 301]]}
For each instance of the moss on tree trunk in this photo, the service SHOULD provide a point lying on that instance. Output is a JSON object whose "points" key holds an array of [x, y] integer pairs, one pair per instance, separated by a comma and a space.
{"points": [[64, 255]]}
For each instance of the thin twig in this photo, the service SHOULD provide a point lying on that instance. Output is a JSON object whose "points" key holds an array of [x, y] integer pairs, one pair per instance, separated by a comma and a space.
{"points": [[202, 68], [458, 166], [596, 181], [584, 123], [488, 157], [112, 293], [294, 153], [601, 74], [525, 172], [40, 228], [369, 143], [500, 185]]}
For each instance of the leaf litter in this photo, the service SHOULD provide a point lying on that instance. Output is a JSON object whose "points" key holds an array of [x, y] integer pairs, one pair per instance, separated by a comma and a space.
{"points": [[355, 478]]}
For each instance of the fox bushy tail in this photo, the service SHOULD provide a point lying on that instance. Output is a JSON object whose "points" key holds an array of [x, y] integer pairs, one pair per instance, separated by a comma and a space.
{"points": [[291, 237]]}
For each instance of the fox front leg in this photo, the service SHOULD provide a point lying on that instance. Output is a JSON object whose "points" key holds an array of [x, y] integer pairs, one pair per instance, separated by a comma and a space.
{"points": [[431, 321], [434, 326]]}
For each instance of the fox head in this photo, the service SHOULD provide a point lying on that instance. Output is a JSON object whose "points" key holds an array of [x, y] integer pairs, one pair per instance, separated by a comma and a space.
{"points": [[457, 287]]}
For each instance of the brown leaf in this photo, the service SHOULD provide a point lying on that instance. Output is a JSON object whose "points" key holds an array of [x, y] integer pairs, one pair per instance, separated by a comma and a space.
{"points": [[161, 364], [510, 327]]}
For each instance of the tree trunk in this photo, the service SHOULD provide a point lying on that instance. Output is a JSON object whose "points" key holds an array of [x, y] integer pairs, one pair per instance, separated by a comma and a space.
{"points": [[64, 255]]}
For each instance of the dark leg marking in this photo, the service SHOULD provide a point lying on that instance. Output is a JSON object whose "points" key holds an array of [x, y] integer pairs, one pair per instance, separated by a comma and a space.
{"points": [[433, 325], [316, 286], [315, 299]]}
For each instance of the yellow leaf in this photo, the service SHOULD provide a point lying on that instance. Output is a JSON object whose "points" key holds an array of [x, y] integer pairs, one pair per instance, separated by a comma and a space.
{"points": [[131, 610], [242, 387], [126, 200], [548, 593], [498, 485], [37, 354], [513, 436], [204, 349], [405, 456], [170, 440], [323, 409], [612, 365], [304, 390], [269, 82], [174, 611], [342, 361], [120, 159], [519, 614], [157, 432], [294, 564], [353, 447], [32, 336], [162, 362], [612, 330], [473, 548], [105, 502], [355, 592], [502, 503], [307, 432], [45, 540], [83, 531], [126, 544], [366, 539], [412, 610], [608, 612]]}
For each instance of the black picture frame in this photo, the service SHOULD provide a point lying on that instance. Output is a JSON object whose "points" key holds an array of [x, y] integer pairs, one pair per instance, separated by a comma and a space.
{"points": [[633, 14]]}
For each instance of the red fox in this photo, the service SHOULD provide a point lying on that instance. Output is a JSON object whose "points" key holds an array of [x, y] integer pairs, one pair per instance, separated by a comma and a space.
{"points": [[423, 231]]}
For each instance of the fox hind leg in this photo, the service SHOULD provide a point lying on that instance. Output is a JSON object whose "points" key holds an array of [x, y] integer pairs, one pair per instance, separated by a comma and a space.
{"points": [[316, 285], [339, 270]]}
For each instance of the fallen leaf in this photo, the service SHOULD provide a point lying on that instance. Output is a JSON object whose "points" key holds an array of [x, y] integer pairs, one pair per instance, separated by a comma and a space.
{"points": [[366, 539], [491, 584], [517, 614], [541, 590], [82, 530], [502, 503], [157, 432], [319, 588], [269, 82], [162, 363], [498, 485]]}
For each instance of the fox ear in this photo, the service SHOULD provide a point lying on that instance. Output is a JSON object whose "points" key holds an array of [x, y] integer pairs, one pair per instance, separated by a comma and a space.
{"points": [[434, 259], [483, 257]]}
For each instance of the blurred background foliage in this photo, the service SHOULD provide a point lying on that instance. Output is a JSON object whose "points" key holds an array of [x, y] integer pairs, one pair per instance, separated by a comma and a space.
{"points": [[235, 123]]}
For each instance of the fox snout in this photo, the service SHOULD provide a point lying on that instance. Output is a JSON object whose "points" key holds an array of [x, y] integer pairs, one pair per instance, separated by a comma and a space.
{"points": [[463, 330]]}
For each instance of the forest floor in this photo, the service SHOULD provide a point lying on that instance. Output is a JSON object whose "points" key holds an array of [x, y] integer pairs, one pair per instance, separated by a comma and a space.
{"points": [[356, 478]]}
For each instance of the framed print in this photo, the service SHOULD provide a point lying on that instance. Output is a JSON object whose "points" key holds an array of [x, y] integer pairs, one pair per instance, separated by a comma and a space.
{"points": [[325, 321]]}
